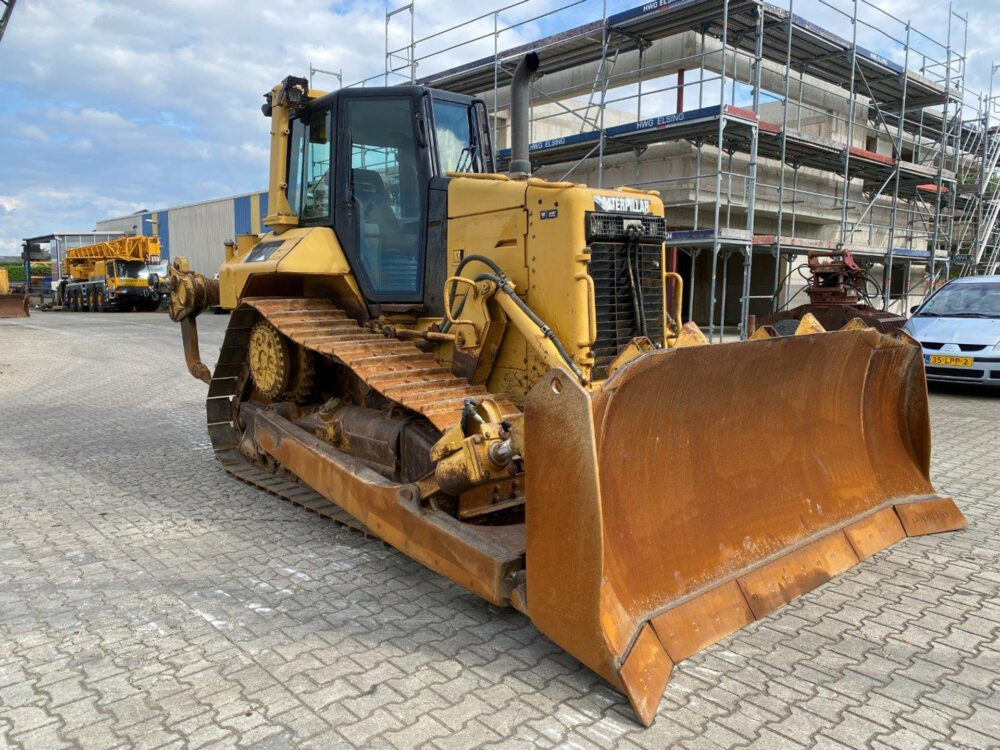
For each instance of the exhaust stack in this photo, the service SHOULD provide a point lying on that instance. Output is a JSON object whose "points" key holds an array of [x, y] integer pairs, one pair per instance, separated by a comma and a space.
{"points": [[520, 102]]}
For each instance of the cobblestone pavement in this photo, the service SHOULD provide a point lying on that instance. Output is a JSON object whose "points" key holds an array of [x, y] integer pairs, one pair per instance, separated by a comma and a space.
{"points": [[148, 600]]}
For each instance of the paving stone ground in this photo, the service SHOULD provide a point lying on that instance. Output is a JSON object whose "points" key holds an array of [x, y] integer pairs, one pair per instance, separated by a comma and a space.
{"points": [[148, 600]]}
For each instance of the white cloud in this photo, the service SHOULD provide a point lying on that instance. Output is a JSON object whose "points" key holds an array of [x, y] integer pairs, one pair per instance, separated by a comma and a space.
{"points": [[108, 106], [30, 133]]}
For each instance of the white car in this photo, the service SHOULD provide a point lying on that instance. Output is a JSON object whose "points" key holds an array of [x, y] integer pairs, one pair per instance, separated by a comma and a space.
{"points": [[958, 328]]}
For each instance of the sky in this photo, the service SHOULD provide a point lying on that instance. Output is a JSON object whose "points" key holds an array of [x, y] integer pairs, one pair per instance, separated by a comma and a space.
{"points": [[112, 106]]}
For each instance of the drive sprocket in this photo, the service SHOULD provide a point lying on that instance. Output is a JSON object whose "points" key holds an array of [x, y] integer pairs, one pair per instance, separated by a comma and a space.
{"points": [[304, 375], [270, 359]]}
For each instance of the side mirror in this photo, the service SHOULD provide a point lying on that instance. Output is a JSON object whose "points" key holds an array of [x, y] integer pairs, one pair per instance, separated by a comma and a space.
{"points": [[914, 309]]}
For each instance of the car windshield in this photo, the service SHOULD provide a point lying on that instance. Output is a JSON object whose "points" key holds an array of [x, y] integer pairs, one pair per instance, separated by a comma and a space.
{"points": [[980, 299], [131, 269]]}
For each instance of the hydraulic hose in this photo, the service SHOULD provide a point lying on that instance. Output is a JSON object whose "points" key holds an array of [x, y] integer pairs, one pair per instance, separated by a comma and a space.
{"points": [[445, 323], [504, 286], [632, 247]]}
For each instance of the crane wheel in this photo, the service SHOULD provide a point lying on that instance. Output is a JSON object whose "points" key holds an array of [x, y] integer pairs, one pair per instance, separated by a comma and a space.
{"points": [[270, 360]]}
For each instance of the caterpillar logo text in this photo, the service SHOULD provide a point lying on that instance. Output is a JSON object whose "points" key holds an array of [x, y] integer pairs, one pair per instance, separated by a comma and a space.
{"points": [[621, 204]]}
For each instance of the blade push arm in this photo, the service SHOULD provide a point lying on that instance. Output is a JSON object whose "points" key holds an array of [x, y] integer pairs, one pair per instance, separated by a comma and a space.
{"points": [[190, 293]]}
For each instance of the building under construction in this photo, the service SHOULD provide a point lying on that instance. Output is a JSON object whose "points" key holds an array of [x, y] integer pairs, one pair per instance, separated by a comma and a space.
{"points": [[766, 134]]}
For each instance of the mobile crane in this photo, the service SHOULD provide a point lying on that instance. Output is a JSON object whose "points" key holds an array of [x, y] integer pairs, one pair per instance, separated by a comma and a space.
{"points": [[114, 275]]}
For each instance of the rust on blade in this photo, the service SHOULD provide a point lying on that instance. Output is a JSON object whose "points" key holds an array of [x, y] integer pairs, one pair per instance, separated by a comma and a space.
{"points": [[645, 673], [931, 516], [14, 306], [874, 533], [652, 530], [691, 626], [563, 528], [792, 575]]}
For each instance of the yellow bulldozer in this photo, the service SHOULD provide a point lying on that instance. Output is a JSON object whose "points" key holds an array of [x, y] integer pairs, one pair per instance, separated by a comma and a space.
{"points": [[12, 304], [481, 370]]}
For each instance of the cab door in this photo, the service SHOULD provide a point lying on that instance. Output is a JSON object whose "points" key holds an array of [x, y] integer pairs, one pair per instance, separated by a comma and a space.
{"points": [[384, 170]]}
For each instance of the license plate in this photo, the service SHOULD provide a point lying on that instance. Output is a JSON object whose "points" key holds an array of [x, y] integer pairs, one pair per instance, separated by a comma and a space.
{"points": [[947, 359]]}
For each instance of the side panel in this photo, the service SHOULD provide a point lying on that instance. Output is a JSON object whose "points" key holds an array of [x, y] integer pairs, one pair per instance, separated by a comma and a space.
{"points": [[501, 237], [436, 264], [200, 232], [470, 196], [309, 252]]}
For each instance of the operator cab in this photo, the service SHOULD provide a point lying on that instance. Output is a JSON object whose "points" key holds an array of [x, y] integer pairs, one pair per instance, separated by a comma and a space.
{"points": [[372, 164]]}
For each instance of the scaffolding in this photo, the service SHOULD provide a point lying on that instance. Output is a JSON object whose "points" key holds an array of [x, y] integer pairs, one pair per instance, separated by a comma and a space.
{"points": [[975, 247], [766, 134], [6, 8]]}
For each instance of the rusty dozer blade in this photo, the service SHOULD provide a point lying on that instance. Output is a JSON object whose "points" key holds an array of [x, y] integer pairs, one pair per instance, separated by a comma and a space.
{"points": [[701, 488], [13, 305]]}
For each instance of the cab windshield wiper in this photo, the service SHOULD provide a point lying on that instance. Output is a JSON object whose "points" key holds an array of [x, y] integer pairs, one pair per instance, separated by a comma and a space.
{"points": [[973, 315], [928, 315]]}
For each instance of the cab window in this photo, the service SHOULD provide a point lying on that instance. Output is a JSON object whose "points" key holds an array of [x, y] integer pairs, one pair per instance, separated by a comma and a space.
{"points": [[386, 188], [456, 137], [294, 190], [316, 166]]}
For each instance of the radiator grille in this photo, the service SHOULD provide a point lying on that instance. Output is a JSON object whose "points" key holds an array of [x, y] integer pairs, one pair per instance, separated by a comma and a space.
{"points": [[616, 318]]}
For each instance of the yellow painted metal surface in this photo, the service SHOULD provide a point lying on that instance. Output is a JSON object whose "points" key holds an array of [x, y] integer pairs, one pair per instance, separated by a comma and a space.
{"points": [[535, 231], [280, 215], [313, 254], [255, 213]]}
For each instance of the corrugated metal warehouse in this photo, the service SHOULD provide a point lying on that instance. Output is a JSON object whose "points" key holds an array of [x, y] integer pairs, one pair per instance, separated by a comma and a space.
{"points": [[197, 231]]}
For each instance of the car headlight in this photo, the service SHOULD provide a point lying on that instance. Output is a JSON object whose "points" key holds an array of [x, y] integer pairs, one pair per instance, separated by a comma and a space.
{"points": [[996, 347]]}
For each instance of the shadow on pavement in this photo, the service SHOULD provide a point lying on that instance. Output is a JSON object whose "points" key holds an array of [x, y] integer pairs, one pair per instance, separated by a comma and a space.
{"points": [[965, 389]]}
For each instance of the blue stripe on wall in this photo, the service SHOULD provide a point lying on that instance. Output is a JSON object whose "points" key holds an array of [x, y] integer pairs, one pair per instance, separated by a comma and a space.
{"points": [[163, 227], [146, 227], [263, 212], [241, 212]]}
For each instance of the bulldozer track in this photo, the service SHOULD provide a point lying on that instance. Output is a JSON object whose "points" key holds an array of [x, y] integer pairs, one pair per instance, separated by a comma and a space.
{"points": [[396, 369], [222, 391]]}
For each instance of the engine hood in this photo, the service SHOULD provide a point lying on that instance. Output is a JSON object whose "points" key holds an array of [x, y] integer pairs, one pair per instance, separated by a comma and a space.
{"points": [[985, 331]]}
